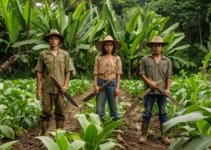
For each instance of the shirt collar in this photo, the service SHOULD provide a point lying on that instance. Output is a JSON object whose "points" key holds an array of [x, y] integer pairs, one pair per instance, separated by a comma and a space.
{"points": [[162, 56], [49, 51]]}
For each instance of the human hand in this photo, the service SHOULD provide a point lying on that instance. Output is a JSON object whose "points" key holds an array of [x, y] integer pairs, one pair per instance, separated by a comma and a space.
{"points": [[39, 94], [96, 90], [116, 91], [64, 89], [152, 84], [167, 93]]}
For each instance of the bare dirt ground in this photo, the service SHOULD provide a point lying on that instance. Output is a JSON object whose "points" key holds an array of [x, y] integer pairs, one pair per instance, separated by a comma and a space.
{"points": [[131, 128]]}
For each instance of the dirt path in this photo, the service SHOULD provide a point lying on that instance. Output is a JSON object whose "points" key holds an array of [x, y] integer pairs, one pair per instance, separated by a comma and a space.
{"points": [[131, 129]]}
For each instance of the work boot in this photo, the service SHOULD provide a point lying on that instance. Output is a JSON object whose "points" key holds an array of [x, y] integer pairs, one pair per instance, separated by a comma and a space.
{"points": [[144, 132], [164, 138], [119, 138], [44, 127], [59, 124]]}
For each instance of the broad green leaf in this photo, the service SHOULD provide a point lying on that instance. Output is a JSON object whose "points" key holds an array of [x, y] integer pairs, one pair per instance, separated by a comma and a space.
{"points": [[83, 121], [136, 43], [170, 29], [133, 22], [107, 145], [14, 27], [201, 142], [178, 144], [27, 14], [94, 119], [78, 11], [41, 46], [193, 116], [26, 42], [72, 31], [77, 145], [95, 29], [49, 143], [62, 142], [201, 47], [91, 136], [7, 145], [7, 132], [107, 130]]}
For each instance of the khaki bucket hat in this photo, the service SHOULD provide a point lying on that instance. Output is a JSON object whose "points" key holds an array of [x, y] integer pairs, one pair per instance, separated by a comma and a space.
{"points": [[54, 32], [157, 39], [99, 45]]}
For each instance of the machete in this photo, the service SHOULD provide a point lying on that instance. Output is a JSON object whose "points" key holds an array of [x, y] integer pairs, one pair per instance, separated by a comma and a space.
{"points": [[171, 99], [101, 88], [65, 94], [134, 104]]}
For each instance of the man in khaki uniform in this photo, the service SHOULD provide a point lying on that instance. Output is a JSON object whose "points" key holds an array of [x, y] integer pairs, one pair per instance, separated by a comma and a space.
{"points": [[56, 62], [157, 67]]}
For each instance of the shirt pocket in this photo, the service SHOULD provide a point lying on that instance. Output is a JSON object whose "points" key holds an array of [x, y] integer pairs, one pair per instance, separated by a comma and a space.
{"points": [[48, 65], [149, 69], [62, 65]]}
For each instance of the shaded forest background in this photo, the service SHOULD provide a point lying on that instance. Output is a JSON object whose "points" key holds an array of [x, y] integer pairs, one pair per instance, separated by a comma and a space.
{"points": [[191, 35]]}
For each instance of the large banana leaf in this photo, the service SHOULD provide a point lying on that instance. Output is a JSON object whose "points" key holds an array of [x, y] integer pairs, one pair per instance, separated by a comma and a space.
{"points": [[78, 11], [27, 14], [26, 42], [133, 22], [95, 29]]}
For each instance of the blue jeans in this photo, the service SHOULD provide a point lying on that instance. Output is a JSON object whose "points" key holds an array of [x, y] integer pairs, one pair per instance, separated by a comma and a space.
{"points": [[149, 101], [107, 94]]}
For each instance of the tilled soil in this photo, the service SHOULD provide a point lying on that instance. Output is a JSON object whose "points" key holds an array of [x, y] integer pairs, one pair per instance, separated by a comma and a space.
{"points": [[131, 128]]}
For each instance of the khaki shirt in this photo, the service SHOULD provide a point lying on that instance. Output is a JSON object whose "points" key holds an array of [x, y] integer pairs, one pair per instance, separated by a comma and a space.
{"points": [[160, 71], [58, 66]]}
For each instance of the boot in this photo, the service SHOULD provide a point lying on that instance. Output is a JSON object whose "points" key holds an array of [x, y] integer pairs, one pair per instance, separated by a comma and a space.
{"points": [[44, 127], [164, 138], [59, 124], [119, 138], [144, 132]]}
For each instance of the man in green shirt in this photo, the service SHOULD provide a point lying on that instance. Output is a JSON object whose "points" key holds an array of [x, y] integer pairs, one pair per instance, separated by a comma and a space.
{"points": [[56, 62], [157, 67]]}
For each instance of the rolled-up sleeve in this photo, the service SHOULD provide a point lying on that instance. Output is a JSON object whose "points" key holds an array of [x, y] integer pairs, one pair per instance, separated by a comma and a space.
{"points": [[169, 71], [142, 66], [40, 63], [119, 66], [96, 66], [68, 64]]}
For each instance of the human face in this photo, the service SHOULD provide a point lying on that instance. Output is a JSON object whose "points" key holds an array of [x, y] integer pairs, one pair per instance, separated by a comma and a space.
{"points": [[156, 48], [108, 47], [54, 41]]}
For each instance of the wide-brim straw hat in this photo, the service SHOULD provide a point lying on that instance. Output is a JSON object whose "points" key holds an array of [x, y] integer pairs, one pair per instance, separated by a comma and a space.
{"points": [[99, 45], [157, 39], [54, 32]]}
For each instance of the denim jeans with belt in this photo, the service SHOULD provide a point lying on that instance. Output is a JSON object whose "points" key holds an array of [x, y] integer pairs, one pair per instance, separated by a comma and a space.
{"points": [[149, 101], [107, 94]]}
